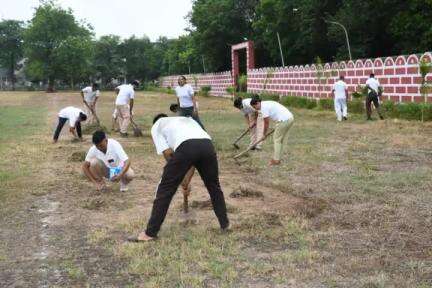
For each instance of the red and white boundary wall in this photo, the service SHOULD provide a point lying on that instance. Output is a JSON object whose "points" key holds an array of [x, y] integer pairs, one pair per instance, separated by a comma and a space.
{"points": [[218, 82], [399, 77]]}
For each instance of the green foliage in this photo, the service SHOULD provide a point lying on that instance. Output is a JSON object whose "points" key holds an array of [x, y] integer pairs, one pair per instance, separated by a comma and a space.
{"points": [[51, 30], [11, 50], [361, 92], [408, 111], [298, 102], [205, 90], [269, 96], [326, 104], [230, 90], [356, 106], [242, 83], [107, 61]]}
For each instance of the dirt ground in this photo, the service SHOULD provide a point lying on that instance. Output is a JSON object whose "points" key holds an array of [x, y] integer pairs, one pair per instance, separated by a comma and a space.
{"points": [[350, 206]]}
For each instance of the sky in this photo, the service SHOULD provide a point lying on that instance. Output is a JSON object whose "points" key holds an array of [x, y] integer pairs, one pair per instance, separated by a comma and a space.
{"points": [[125, 18]]}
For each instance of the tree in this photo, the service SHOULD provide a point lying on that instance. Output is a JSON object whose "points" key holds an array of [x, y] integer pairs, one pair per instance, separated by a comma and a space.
{"points": [[11, 50], [48, 31], [107, 61], [136, 53], [74, 55]]}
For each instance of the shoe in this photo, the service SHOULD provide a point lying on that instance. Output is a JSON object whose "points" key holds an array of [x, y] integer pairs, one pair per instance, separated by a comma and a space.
{"points": [[258, 148], [274, 162], [345, 118], [125, 135], [381, 117], [123, 187]]}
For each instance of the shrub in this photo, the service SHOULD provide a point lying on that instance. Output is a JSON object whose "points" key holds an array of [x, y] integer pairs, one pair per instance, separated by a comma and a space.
{"points": [[205, 90], [326, 104], [268, 96], [298, 102], [409, 111], [230, 90], [356, 106], [242, 83]]}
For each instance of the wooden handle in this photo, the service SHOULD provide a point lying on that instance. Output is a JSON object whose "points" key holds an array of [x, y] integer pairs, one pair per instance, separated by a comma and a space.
{"points": [[253, 145]]}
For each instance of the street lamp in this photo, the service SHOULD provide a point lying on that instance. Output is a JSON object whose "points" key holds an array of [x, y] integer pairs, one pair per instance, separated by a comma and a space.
{"points": [[346, 35]]}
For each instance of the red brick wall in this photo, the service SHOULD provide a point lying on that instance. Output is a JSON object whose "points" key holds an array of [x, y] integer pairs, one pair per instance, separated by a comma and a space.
{"points": [[399, 77], [218, 81]]}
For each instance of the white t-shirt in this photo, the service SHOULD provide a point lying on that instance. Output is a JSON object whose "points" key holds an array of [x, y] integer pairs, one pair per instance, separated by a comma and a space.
{"points": [[126, 92], [115, 155], [340, 87], [276, 111], [185, 93], [170, 132], [247, 108], [89, 94], [70, 113], [373, 83]]}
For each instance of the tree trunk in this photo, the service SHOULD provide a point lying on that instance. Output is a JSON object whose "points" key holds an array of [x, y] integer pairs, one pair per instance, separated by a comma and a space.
{"points": [[12, 71], [50, 88]]}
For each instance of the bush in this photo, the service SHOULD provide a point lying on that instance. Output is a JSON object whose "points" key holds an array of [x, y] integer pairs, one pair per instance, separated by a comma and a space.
{"points": [[242, 83], [298, 102], [268, 96], [326, 104], [205, 90], [230, 90], [356, 106]]}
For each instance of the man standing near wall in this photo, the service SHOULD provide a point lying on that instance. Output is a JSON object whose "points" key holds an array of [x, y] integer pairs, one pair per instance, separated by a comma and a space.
{"points": [[253, 119], [340, 94], [124, 104], [90, 95], [374, 88]]}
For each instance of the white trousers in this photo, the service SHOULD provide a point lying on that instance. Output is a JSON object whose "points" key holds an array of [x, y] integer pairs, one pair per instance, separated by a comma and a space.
{"points": [[340, 108]]}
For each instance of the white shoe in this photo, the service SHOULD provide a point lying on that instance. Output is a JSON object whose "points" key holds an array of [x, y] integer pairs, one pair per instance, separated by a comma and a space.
{"points": [[123, 187]]}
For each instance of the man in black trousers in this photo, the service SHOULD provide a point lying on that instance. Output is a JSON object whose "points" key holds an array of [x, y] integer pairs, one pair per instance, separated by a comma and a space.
{"points": [[184, 144], [74, 116]]}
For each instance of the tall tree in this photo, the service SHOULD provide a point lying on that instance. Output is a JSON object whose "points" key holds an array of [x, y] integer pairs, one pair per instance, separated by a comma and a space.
{"points": [[48, 30], [11, 46], [108, 62]]}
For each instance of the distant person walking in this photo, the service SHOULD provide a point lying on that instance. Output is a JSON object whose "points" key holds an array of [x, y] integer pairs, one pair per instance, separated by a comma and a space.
{"points": [[184, 144], [124, 105], [187, 100], [90, 95], [374, 88], [340, 94], [75, 116], [253, 119], [284, 120]]}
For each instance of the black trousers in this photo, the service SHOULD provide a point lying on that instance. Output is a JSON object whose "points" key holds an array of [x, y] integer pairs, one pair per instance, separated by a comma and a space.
{"points": [[62, 121], [194, 152], [372, 98], [188, 112]]}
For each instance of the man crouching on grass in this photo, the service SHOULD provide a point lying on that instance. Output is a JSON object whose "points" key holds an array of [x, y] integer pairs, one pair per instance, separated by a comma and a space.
{"points": [[184, 144], [107, 159]]}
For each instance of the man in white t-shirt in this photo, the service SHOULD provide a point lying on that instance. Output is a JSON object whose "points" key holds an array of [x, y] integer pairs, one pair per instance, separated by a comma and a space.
{"points": [[187, 100], [124, 104], [284, 120], [253, 119], [74, 116], [107, 159], [340, 94], [90, 95], [374, 91], [184, 144]]}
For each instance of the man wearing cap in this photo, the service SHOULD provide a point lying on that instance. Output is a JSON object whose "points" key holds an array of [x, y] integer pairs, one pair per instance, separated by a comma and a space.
{"points": [[284, 120], [124, 105]]}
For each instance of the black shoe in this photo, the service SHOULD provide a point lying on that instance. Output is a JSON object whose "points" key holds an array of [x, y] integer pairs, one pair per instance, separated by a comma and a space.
{"points": [[381, 117], [345, 118], [125, 135]]}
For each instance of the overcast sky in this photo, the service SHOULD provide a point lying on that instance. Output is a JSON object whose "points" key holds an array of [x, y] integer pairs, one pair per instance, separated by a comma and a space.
{"points": [[125, 18]]}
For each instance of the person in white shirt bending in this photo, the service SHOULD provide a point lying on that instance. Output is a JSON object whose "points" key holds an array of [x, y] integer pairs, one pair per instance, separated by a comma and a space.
{"points": [[340, 94], [184, 144], [106, 159], [374, 91], [75, 116], [124, 105], [187, 100], [253, 119], [284, 120], [90, 95]]}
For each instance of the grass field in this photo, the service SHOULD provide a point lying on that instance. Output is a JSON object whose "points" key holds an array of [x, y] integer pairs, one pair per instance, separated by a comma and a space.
{"points": [[351, 205]]}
